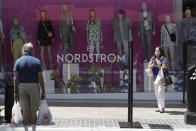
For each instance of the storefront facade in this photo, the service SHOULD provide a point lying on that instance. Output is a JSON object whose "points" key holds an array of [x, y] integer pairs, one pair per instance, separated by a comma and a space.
{"points": [[74, 73]]}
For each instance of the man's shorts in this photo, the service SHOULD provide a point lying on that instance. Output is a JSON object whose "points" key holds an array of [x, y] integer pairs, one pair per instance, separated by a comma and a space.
{"points": [[29, 96]]}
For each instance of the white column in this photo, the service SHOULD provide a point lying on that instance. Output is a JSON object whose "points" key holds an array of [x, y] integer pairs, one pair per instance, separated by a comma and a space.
{"points": [[148, 81], [70, 70], [49, 84]]}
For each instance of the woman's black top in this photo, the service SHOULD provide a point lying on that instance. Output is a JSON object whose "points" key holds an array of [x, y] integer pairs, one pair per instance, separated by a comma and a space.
{"points": [[42, 34]]}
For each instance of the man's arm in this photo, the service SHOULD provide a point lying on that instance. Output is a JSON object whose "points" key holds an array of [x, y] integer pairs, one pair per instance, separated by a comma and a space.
{"points": [[16, 82], [41, 82]]}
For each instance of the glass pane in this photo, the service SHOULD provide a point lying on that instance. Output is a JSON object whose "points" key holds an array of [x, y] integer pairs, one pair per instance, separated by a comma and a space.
{"points": [[82, 28]]}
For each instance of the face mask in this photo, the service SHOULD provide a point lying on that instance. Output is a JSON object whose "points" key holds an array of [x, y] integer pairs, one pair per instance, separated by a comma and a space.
{"points": [[157, 53]]}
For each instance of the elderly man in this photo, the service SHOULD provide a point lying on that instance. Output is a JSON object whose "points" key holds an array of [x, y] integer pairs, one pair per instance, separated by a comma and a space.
{"points": [[27, 75]]}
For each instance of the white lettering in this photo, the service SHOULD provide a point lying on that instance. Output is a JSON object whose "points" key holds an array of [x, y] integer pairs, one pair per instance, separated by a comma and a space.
{"points": [[103, 58], [111, 58], [77, 58], [84, 58], [91, 58], [96, 57], [90, 47], [67, 58], [60, 59], [120, 58]]}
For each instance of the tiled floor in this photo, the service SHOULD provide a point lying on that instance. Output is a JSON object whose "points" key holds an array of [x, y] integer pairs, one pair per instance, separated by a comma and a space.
{"points": [[108, 117], [113, 123]]}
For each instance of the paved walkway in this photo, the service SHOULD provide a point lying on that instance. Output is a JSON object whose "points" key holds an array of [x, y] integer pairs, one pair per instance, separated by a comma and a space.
{"points": [[98, 118]]}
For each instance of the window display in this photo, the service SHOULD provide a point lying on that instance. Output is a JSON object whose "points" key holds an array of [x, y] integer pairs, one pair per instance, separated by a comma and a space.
{"points": [[65, 35]]}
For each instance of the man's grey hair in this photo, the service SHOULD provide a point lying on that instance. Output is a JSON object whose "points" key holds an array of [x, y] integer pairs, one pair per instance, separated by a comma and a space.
{"points": [[27, 49]]}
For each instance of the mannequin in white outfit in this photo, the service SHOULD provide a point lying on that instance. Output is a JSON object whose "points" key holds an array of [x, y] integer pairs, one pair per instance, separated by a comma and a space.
{"points": [[166, 42]]}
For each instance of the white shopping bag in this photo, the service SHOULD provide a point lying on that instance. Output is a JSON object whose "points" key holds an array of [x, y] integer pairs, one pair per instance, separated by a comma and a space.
{"points": [[149, 72], [17, 118], [44, 115], [160, 78]]}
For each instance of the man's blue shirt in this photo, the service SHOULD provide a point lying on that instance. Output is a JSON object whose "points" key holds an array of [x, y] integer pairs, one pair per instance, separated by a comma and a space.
{"points": [[28, 67]]}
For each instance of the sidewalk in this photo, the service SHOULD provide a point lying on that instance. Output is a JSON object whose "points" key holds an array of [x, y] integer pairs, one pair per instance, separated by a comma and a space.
{"points": [[102, 118]]}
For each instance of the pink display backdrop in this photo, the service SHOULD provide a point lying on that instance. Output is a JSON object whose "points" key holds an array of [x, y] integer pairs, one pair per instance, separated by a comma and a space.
{"points": [[27, 11]]}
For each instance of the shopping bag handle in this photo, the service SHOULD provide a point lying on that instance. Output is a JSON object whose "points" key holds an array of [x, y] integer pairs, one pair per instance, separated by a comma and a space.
{"points": [[16, 101]]}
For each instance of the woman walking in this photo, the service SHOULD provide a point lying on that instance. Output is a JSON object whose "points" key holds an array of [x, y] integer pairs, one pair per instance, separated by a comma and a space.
{"points": [[159, 64]]}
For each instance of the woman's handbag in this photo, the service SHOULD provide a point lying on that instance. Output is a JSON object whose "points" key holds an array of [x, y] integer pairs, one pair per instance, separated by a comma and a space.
{"points": [[50, 34], [168, 80], [172, 35]]}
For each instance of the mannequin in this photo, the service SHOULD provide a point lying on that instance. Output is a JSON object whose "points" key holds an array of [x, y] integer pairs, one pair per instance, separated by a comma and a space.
{"points": [[166, 42], [17, 36], [45, 37], [1, 41], [189, 27], [67, 28], [94, 32], [146, 27], [122, 31]]}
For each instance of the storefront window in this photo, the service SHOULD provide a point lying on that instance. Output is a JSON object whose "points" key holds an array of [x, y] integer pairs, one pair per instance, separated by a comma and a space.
{"points": [[83, 45]]}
